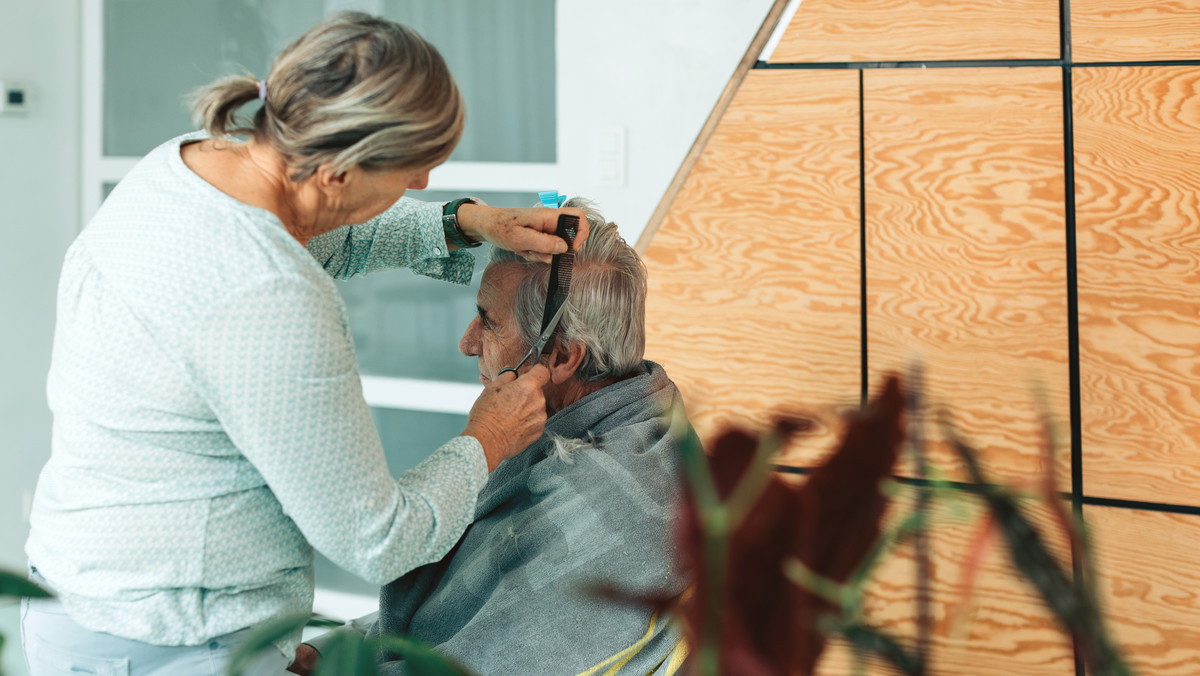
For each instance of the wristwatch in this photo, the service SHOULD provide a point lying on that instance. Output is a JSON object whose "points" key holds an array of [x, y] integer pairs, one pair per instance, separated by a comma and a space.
{"points": [[450, 226]]}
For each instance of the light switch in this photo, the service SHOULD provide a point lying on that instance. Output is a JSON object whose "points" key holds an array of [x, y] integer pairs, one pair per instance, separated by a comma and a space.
{"points": [[14, 98], [608, 155]]}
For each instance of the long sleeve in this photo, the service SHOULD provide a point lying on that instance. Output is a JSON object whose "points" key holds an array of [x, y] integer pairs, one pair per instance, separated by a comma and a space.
{"points": [[408, 235], [209, 425], [276, 363]]}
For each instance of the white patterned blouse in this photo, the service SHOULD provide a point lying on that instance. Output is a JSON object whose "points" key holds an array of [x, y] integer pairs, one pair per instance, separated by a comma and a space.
{"points": [[209, 421]]}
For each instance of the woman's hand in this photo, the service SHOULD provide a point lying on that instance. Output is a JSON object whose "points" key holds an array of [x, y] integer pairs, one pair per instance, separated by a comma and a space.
{"points": [[527, 232], [510, 414]]}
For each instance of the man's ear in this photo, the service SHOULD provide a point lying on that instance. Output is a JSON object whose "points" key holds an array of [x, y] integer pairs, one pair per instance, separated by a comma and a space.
{"points": [[565, 360]]}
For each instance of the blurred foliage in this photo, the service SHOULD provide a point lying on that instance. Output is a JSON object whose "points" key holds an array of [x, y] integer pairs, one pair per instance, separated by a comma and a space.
{"points": [[776, 569], [347, 653], [746, 535], [13, 587]]}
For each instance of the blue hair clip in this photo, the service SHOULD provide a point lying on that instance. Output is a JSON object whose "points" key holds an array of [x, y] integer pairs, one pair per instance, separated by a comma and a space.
{"points": [[551, 198]]}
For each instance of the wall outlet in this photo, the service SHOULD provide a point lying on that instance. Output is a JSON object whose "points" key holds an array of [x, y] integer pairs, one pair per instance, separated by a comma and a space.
{"points": [[14, 98]]}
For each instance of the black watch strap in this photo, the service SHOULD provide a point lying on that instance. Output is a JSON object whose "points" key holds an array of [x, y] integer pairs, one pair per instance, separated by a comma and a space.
{"points": [[454, 232]]}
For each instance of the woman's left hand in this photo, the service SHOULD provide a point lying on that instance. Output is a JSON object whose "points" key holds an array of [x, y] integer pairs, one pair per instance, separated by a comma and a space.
{"points": [[527, 232]]}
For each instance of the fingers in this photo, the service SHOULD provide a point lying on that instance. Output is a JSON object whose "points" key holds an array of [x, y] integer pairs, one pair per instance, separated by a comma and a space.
{"points": [[539, 243], [537, 376], [530, 232], [582, 234], [540, 246], [509, 415], [536, 257]]}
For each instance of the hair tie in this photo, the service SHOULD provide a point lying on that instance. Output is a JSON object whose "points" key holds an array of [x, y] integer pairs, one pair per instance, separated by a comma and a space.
{"points": [[262, 90]]}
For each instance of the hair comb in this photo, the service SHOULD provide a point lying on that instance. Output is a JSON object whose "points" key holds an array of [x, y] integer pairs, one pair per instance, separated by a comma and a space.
{"points": [[559, 287], [561, 266]]}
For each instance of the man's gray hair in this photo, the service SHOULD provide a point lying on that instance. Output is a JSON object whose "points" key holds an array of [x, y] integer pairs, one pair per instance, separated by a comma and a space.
{"points": [[606, 307], [356, 90]]}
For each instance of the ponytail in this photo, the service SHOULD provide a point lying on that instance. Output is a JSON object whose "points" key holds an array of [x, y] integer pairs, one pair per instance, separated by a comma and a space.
{"points": [[215, 106]]}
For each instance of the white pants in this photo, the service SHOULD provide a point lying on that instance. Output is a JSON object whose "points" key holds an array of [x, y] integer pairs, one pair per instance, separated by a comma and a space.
{"points": [[55, 644]]}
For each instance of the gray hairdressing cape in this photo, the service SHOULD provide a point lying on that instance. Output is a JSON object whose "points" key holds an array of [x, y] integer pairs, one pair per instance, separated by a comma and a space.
{"points": [[511, 597]]}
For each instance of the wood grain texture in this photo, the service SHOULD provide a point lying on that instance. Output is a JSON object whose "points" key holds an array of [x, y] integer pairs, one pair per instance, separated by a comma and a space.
{"points": [[1000, 629], [920, 30], [1134, 30], [753, 303], [966, 250], [1148, 572], [774, 15], [1137, 131]]}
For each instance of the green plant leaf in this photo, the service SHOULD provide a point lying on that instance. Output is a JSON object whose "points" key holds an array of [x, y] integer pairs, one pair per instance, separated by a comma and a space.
{"points": [[12, 584], [866, 639], [323, 622], [695, 464], [264, 637], [421, 658], [347, 655], [802, 575]]}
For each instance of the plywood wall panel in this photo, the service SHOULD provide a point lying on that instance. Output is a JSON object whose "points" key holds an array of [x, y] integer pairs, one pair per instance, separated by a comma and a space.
{"points": [[1148, 574], [1137, 133], [753, 303], [1001, 628], [1134, 30], [920, 30], [966, 251]]}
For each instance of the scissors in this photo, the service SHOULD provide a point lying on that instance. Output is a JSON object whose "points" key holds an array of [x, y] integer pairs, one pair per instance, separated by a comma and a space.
{"points": [[540, 344]]}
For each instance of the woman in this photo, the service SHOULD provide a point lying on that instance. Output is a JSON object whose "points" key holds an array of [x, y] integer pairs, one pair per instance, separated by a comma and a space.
{"points": [[209, 423]]}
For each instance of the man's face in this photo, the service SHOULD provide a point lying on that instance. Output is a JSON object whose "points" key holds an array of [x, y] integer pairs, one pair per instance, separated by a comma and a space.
{"points": [[492, 335]]}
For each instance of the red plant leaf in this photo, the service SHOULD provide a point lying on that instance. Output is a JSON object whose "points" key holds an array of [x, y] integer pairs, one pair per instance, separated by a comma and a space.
{"points": [[768, 624]]}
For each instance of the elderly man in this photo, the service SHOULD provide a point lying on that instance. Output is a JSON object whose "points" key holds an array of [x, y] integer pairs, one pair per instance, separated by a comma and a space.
{"points": [[590, 502]]}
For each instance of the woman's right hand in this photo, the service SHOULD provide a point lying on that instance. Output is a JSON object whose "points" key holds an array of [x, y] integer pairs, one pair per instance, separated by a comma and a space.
{"points": [[510, 414], [528, 232]]}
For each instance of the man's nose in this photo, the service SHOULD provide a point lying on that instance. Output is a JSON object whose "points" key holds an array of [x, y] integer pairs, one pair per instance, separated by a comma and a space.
{"points": [[469, 343]]}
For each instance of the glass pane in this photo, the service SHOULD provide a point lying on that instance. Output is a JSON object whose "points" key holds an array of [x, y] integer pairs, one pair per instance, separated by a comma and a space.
{"points": [[156, 51], [408, 438], [502, 56], [408, 326]]}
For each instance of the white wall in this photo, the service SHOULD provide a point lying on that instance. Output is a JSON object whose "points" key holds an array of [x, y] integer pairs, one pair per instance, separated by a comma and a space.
{"points": [[39, 188], [655, 68]]}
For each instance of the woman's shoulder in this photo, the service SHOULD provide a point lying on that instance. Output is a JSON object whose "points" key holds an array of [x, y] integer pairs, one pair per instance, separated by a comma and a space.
{"points": [[171, 245]]}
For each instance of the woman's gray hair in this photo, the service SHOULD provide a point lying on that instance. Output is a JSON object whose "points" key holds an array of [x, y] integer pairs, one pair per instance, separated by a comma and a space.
{"points": [[354, 90], [606, 306]]}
